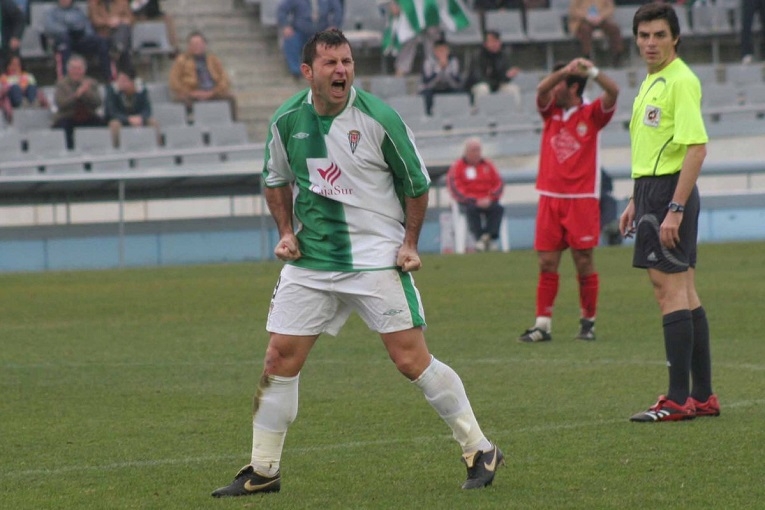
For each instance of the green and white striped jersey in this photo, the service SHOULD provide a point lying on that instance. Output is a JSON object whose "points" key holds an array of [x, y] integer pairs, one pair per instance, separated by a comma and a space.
{"points": [[350, 174]]}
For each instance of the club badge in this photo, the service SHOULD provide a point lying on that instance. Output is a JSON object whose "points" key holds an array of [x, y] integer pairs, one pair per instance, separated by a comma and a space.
{"points": [[354, 136], [652, 116]]}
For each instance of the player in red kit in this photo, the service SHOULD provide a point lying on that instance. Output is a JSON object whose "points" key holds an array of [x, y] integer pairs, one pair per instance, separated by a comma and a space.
{"points": [[568, 214]]}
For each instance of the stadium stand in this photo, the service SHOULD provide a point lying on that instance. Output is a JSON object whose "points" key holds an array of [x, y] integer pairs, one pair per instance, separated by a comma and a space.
{"points": [[546, 26], [509, 24]]}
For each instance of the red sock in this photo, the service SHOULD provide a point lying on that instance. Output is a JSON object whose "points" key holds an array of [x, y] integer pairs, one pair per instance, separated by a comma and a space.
{"points": [[588, 294], [547, 289]]}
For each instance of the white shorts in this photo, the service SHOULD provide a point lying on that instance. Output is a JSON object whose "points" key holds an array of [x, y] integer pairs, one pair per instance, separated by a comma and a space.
{"points": [[309, 302]]}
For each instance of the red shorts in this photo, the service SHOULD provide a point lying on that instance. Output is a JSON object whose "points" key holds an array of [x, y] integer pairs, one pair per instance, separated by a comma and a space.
{"points": [[567, 222]]}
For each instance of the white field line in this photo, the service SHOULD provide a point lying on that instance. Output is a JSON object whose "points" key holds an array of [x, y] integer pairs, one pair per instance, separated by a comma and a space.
{"points": [[185, 461], [257, 361]]}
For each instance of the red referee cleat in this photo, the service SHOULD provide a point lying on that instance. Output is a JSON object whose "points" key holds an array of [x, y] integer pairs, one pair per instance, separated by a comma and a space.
{"points": [[709, 408], [666, 410]]}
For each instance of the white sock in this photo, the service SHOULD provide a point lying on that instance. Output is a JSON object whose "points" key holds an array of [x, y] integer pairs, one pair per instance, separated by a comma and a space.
{"points": [[277, 405], [445, 392], [544, 323]]}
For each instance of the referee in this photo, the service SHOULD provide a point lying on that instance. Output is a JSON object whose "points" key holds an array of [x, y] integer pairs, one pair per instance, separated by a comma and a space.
{"points": [[668, 148]]}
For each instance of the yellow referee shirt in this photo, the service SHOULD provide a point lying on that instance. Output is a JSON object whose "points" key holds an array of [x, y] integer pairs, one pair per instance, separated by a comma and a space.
{"points": [[666, 118]]}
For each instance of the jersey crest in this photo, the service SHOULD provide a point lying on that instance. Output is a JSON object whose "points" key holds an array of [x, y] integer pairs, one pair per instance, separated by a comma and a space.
{"points": [[564, 145], [354, 137], [652, 116]]}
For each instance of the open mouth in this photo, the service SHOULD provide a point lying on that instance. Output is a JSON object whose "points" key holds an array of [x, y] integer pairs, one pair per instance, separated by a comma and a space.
{"points": [[338, 86]]}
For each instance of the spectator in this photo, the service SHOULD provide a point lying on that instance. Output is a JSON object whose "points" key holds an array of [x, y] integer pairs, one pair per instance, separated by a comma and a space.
{"points": [[12, 25], [198, 75], [568, 213], [475, 184], [19, 88], [404, 33], [113, 20], [77, 99], [585, 16], [492, 71], [71, 30], [149, 10], [748, 10], [127, 104], [441, 74], [300, 19]]}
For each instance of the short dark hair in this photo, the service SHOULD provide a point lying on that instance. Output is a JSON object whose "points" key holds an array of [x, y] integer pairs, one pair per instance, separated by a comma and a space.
{"points": [[657, 10], [493, 33], [196, 33], [573, 78], [331, 38]]}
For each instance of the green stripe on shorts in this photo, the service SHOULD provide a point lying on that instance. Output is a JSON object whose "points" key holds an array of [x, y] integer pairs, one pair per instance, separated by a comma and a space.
{"points": [[412, 299]]}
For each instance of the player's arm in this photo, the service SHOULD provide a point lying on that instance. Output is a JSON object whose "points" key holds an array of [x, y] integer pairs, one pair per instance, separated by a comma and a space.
{"points": [[548, 83], [279, 201], [610, 89], [689, 174], [408, 258]]}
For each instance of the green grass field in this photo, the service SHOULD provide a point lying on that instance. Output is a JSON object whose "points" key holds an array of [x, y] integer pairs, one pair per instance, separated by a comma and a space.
{"points": [[133, 389]]}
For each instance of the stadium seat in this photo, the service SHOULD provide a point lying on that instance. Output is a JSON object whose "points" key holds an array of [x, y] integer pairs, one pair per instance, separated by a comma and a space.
{"points": [[743, 75], [234, 133], [210, 113], [188, 137], [169, 114], [28, 119], [46, 143], [93, 140], [451, 105], [706, 73], [32, 44], [268, 12], [509, 24], [546, 26], [138, 143], [10, 146], [159, 92], [363, 15], [468, 36], [150, 40], [408, 107], [385, 86]]}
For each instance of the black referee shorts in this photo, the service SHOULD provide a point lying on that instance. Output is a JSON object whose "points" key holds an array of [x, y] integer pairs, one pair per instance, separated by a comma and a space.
{"points": [[652, 196]]}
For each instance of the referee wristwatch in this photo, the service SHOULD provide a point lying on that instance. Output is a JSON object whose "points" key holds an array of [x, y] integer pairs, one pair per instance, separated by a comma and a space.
{"points": [[675, 207]]}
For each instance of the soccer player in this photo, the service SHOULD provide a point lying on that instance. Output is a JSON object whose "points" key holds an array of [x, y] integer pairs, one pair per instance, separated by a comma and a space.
{"points": [[668, 148], [345, 165], [568, 214]]}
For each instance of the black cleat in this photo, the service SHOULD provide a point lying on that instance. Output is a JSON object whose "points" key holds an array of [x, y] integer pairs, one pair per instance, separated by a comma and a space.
{"points": [[481, 467], [586, 330], [535, 334], [248, 481]]}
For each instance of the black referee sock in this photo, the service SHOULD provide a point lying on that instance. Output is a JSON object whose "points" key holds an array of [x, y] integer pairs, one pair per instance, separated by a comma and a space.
{"points": [[701, 362], [678, 342]]}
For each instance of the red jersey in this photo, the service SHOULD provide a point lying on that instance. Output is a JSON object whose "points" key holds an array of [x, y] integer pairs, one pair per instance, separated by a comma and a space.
{"points": [[472, 182], [569, 153]]}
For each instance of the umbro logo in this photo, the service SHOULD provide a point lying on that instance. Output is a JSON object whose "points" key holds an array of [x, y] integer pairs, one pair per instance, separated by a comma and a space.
{"points": [[301, 135]]}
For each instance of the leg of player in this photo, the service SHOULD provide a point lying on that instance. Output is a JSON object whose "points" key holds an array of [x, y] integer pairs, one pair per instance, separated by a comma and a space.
{"points": [[547, 291], [444, 390], [274, 409], [588, 292]]}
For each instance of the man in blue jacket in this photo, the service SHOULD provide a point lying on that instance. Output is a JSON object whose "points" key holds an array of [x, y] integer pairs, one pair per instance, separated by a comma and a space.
{"points": [[300, 19], [71, 31]]}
